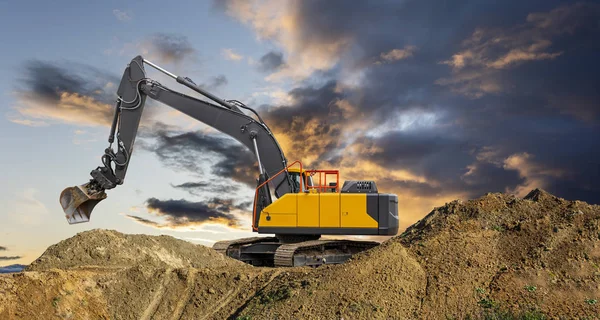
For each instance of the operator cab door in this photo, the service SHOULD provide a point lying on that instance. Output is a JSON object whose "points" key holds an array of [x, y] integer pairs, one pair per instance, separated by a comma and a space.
{"points": [[295, 175], [307, 202]]}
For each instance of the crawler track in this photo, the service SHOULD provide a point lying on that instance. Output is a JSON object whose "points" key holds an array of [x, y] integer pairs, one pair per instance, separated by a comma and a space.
{"points": [[224, 246], [318, 252], [304, 253]]}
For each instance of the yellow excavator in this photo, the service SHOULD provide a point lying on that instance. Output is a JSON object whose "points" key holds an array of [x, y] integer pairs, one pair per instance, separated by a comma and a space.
{"points": [[307, 205]]}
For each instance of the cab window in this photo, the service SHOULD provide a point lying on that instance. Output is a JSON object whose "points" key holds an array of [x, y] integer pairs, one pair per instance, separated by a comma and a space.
{"points": [[296, 181]]}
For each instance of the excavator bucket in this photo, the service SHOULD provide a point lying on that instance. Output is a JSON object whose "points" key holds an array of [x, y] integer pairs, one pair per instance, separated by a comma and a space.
{"points": [[78, 203]]}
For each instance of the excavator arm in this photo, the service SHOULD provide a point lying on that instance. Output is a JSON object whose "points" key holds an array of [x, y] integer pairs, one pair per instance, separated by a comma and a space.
{"points": [[225, 116]]}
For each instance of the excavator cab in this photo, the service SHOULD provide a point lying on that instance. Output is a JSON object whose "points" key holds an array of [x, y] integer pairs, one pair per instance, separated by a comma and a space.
{"points": [[297, 176], [305, 179]]}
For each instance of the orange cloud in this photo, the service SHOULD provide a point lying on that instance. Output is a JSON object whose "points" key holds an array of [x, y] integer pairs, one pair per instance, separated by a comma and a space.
{"points": [[535, 174], [186, 226], [183, 215], [278, 20], [71, 93], [71, 108], [397, 54], [26, 122]]}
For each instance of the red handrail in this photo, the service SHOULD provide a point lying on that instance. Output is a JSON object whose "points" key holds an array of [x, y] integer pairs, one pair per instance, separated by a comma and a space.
{"points": [[254, 228]]}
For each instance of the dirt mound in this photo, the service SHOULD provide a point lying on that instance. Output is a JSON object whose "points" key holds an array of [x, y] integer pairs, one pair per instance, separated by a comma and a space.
{"points": [[500, 253], [109, 248], [383, 283], [54, 294], [104, 274], [496, 257], [137, 292]]}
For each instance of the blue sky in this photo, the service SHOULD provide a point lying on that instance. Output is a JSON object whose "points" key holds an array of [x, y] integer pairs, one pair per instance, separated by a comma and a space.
{"points": [[433, 101]]}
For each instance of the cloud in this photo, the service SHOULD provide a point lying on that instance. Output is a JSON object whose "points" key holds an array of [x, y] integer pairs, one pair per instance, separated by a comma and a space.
{"points": [[229, 54], [186, 150], [161, 48], [536, 175], [183, 214], [145, 221], [27, 122], [216, 82], [168, 48], [5, 258], [71, 108], [474, 83], [398, 54], [477, 69], [63, 93], [49, 80], [311, 127], [279, 21], [121, 15], [200, 187], [271, 61], [517, 49]]}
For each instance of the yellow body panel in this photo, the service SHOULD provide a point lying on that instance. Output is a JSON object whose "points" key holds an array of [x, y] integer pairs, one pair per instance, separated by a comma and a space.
{"points": [[329, 209], [354, 211], [314, 210], [308, 210], [282, 212]]}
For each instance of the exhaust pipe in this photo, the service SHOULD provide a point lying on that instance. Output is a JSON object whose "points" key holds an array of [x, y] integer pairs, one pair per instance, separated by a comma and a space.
{"points": [[79, 201]]}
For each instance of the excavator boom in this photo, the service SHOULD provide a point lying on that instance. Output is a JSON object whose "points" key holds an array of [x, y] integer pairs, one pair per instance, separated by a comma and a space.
{"points": [[225, 116]]}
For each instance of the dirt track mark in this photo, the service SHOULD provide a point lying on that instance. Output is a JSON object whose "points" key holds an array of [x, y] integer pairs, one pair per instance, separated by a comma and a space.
{"points": [[236, 313], [191, 279], [153, 306], [226, 299]]}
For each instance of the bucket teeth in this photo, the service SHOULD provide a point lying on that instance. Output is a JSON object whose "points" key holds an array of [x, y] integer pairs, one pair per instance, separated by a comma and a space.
{"points": [[78, 202]]}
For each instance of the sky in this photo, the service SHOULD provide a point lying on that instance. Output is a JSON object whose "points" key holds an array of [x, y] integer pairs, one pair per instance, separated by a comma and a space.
{"points": [[433, 100]]}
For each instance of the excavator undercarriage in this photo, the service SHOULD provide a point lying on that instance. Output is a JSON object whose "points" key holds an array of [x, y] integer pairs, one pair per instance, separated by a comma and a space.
{"points": [[271, 252]]}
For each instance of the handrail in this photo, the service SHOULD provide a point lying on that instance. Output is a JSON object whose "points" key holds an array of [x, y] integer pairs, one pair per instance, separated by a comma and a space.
{"points": [[323, 179], [254, 228]]}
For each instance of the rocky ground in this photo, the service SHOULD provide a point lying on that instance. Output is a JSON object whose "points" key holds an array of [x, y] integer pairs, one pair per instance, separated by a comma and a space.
{"points": [[496, 257]]}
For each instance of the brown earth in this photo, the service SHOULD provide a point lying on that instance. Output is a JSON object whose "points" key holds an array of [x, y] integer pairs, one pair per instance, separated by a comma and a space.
{"points": [[108, 248], [496, 257], [537, 254]]}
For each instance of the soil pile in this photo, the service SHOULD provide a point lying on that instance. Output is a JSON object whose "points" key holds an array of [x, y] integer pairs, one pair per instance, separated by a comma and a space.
{"points": [[385, 282], [500, 254], [104, 274], [496, 257], [129, 293], [109, 248]]}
